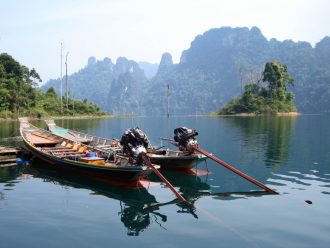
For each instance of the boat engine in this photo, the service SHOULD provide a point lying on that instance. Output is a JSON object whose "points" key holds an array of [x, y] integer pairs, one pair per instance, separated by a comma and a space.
{"points": [[186, 138], [134, 143]]}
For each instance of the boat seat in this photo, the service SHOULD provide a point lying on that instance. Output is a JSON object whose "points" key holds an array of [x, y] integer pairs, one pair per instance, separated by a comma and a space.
{"points": [[55, 148], [73, 156], [52, 149], [65, 152], [104, 146], [61, 154], [82, 149], [68, 145]]}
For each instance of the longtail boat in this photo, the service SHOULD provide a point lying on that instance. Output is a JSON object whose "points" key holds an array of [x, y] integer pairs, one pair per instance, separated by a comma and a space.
{"points": [[166, 158], [73, 156]]}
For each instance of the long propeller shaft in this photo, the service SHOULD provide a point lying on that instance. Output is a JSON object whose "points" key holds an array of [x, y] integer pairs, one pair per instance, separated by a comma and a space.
{"points": [[148, 163], [238, 172]]}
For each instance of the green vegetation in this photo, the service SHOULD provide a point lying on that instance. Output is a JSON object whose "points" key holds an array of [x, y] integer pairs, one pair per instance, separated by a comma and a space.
{"points": [[214, 69], [269, 95], [19, 95], [264, 133]]}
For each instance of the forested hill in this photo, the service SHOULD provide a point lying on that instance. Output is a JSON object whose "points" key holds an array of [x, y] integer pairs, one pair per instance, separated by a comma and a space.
{"points": [[211, 72], [20, 96], [103, 82]]}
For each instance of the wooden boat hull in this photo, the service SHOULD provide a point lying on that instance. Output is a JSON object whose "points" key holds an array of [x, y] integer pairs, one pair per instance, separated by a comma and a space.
{"points": [[74, 167], [177, 163], [120, 174]]}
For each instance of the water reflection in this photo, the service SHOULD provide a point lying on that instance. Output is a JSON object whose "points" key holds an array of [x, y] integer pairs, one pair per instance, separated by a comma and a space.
{"points": [[138, 218], [75, 124], [8, 129], [303, 181], [9, 178], [138, 208], [271, 135], [137, 205], [190, 185], [9, 175]]}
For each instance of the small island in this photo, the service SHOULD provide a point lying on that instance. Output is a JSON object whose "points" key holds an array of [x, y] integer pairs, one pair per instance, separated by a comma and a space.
{"points": [[267, 96], [20, 96]]}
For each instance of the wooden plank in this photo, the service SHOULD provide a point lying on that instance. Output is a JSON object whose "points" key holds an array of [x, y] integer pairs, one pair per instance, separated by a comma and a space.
{"points": [[93, 160], [65, 153], [38, 140], [73, 156], [7, 165], [7, 160], [45, 136], [9, 151], [56, 149]]}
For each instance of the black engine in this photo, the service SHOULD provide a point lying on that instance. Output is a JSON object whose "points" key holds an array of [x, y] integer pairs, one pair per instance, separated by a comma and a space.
{"points": [[185, 137], [134, 143]]}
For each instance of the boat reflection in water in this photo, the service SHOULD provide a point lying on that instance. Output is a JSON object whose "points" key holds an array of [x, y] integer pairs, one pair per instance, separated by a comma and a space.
{"points": [[138, 208], [189, 184], [193, 187], [137, 205]]}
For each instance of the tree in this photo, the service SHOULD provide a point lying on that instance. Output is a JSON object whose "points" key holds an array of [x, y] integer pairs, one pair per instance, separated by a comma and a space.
{"points": [[51, 92], [35, 76], [20, 96], [277, 77], [271, 98], [17, 90]]}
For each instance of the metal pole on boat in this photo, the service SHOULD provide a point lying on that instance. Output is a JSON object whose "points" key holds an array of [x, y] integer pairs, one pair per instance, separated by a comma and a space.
{"points": [[168, 101], [238, 172], [180, 197]]}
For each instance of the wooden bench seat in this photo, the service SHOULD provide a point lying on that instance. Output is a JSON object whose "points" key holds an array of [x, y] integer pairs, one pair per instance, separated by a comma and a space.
{"points": [[65, 152]]}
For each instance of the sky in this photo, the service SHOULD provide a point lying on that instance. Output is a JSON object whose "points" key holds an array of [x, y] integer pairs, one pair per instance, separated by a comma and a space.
{"points": [[142, 30]]}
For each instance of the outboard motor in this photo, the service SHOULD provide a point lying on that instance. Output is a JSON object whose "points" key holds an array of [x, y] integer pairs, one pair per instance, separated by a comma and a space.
{"points": [[186, 138], [134, 143]]}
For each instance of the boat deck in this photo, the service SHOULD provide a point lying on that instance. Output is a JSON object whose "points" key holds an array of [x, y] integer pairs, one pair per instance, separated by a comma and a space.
{"points": [[65, 133], [37, 138]]}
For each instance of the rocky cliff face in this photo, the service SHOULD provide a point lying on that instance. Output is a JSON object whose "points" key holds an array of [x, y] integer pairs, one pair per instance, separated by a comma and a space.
{"points": [[165, 65], [210, 73], [127, 89]]}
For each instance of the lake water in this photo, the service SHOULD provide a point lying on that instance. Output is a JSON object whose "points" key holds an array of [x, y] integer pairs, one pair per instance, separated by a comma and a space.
{"points": [[40, 208]]}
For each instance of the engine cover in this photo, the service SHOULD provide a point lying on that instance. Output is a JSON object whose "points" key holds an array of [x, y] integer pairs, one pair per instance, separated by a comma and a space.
{"points": [[186, 137], [134, 142]]}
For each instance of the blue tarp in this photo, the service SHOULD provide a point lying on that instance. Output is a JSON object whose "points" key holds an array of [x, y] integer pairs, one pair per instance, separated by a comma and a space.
{"points": [[60, 130]]}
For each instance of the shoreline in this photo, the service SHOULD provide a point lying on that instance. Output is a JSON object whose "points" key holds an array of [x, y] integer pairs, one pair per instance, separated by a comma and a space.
{"points": [[62, 117], [264, 114], [120, 116]]}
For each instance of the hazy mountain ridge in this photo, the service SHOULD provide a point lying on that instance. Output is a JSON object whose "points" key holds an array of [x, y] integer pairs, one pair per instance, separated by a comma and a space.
{"points": [[149, 69], [127, 89], [99, 78], [209, 74]]}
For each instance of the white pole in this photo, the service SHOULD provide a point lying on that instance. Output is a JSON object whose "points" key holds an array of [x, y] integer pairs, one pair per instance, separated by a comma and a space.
{"points": [[66, 80], [61, 79], [168, 101]]}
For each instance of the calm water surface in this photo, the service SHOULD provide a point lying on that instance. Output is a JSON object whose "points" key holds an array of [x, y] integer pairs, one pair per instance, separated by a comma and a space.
{"points": [[41, 208]]}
